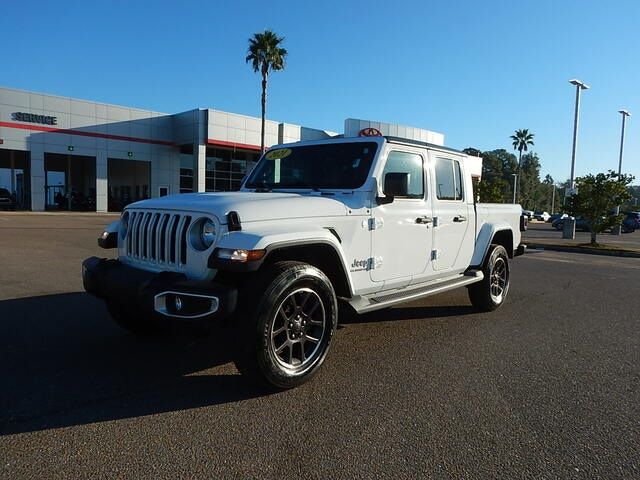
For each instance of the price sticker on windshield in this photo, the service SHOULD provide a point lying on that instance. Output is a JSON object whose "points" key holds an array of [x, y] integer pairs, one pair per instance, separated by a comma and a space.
{"points": [[278, 153]]}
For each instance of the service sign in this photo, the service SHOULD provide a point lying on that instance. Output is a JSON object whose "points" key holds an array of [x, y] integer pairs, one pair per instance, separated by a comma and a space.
{"points": [[34, 118]]}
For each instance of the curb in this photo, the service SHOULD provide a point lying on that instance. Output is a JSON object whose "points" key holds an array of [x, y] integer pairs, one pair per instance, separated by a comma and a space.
{"points": [[587, 250]]}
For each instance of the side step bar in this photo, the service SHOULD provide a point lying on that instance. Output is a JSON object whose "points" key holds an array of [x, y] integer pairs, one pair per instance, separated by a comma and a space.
{"points": [[379, 300]]}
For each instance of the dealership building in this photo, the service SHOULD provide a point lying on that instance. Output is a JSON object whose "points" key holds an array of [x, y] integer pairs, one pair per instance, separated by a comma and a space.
{"points": [[61, 153]]}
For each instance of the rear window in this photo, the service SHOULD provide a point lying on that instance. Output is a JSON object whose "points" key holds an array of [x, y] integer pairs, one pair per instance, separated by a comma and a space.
{"points": [[4, 192], [448, 179]]}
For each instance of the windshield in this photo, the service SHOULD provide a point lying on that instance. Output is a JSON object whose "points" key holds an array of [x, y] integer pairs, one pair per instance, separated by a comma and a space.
{"points": [[329, 166]]}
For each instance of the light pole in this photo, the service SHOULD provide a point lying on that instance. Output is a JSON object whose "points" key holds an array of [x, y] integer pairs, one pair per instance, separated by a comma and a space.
{"points": [[579, 87], [569, 229], [515, 178], [553, 200], [616, 230], [624, 114]]}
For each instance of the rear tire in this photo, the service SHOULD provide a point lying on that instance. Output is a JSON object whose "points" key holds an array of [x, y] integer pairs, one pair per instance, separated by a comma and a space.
{"points": [[285, 328], [491, 292]]}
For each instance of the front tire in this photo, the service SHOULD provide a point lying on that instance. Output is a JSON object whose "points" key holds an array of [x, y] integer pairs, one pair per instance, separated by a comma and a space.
{"points": [[491, 292], [290, 320]]}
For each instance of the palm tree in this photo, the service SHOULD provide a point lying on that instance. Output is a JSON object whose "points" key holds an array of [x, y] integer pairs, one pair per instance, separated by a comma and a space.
{"points": [[265, 54], [521, 140]]}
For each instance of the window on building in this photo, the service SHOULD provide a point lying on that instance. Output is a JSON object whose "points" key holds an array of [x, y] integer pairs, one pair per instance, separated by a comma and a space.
{"points": [[448, 179], [186, 173], [225, 168], [411, 163]]}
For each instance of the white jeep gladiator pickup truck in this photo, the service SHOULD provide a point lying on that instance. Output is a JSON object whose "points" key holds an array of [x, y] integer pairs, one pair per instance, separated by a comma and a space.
{"points": [[368, 221]]}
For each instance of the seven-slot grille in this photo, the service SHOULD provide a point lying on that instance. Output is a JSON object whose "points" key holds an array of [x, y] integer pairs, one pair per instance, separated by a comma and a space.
{"points": [[157, 237]]}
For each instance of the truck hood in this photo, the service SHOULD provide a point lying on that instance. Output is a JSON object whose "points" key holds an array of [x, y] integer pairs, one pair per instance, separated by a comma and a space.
{"points": [[251, 206]]}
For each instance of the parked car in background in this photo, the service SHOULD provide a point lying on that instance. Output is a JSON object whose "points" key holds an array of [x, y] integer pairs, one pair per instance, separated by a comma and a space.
{"points": [[7, 202], [528, 214], [631, 222], [581, 224], [556, 216], [541, 216]]}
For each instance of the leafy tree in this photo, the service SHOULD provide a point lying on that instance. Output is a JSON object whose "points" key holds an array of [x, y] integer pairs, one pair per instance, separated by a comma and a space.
{"points": [[634, 203], [492, 191], [521, 140], [473, 152], [597, 196], [553, 201], [265, 55], [531, 195], [497, 167], [502, 161]]}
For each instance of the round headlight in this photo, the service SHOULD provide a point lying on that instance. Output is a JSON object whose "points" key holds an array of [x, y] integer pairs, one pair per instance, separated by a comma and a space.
{"points": [[124, 225], [202, 234], [208, 233]]}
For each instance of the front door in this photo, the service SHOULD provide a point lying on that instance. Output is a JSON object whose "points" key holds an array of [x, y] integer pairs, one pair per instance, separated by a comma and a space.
{"points": [[453, 215], [401, 231]]}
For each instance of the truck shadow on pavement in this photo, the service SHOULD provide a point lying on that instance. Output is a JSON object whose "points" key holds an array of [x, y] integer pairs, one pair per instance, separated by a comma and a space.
{"points": [[63, 362]]}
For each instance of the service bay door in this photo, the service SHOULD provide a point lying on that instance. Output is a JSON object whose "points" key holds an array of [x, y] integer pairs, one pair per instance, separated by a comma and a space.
{"points": [[401, 231]]}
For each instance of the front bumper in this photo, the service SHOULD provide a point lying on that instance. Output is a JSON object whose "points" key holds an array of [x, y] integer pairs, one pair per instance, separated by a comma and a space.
{"points": [[164, 295]]}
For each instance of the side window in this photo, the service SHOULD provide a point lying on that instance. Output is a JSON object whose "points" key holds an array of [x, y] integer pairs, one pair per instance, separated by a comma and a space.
{"points": [[411, 163], [448, 179], [458, 178]]}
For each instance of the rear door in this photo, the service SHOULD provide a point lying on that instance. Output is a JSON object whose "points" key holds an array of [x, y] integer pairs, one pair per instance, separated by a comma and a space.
{"points": [[453, 215]]}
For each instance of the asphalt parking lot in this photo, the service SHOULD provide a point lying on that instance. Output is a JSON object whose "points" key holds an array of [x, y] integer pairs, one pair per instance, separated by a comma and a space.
{"points": [[546, 387], [543, 232]]}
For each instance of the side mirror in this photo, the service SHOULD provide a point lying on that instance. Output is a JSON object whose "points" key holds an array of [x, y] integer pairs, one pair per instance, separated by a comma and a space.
{"points": [[395, 185]]}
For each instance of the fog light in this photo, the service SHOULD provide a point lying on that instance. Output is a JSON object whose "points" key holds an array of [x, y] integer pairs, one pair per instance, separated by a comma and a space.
{"points": [[178, 303]]}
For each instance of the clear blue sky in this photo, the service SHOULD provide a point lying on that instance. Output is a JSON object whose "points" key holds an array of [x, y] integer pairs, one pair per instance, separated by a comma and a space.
{"points": [[474, 70]]}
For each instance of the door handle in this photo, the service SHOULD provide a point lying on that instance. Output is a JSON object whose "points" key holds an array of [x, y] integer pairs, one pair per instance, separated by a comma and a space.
{"points": [[460, 219], [424, 220]]}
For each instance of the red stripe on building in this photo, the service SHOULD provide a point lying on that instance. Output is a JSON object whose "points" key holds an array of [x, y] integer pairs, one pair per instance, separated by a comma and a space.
{"points": [[81, 133], [222, 143]]}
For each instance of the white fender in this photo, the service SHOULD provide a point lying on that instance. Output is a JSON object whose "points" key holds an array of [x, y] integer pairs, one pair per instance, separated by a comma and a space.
{"points": [[483, 240]]}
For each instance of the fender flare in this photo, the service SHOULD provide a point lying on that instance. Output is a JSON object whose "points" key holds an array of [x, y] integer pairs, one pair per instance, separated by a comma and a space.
{"points": [[484, 240], [274, 242]]}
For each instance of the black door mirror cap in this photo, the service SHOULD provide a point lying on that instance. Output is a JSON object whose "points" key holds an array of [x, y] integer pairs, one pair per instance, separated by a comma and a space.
{"points": [[396, 184], [385, 200]]}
